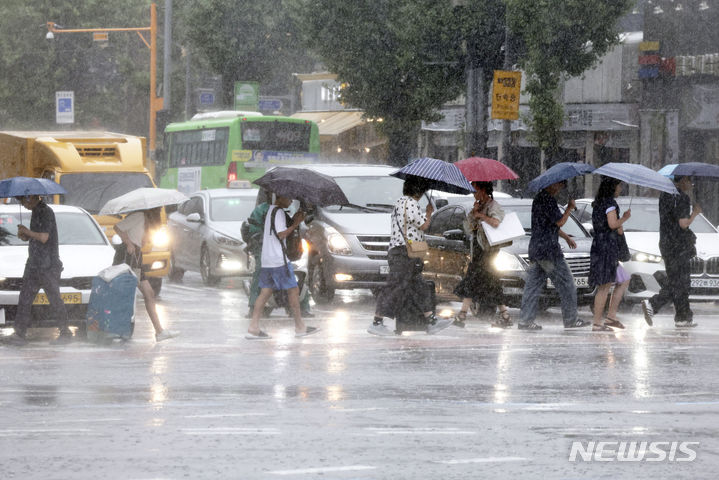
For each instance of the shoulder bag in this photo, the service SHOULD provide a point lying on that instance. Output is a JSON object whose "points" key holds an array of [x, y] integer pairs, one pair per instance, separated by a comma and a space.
{"points": [[416, 248]]}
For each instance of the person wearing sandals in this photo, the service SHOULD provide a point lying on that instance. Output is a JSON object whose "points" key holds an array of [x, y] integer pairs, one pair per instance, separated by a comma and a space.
{"points": [[405, 273], [480, 284], [604, 267], [134, 231], [277, 272]]}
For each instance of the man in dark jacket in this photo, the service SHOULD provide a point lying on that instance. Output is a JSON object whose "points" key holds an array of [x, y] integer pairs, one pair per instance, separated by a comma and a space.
{"points": [[42, 270], [677, 246]]}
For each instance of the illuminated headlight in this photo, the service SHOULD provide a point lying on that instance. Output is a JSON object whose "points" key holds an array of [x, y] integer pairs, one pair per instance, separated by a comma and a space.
{"points": [[231, 265], [342, 277], [337, 244], [506, 262], [157, 264], [160, 238], [2, 279], [305, 246], [646, 257], [227, 241]]}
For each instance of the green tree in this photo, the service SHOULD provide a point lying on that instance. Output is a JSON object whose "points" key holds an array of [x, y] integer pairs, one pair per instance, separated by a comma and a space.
{"points": [[560, 39]]}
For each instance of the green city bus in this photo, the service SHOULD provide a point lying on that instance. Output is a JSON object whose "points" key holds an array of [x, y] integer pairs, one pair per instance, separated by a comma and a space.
{"points": [[215, 148]]}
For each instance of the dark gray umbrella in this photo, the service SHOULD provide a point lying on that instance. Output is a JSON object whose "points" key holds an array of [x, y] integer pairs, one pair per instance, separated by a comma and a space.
{"points": [[304, 185]]}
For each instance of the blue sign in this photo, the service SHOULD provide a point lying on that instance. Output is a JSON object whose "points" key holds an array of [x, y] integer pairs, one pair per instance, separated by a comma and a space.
{"points": [[270, 104], [64, 105], [207, 98]]}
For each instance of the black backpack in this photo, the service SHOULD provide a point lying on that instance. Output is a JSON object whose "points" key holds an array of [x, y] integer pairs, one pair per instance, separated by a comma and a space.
{"points": [[292, 248]]}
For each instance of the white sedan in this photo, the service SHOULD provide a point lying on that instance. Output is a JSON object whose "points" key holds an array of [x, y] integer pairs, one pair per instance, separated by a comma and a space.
{"points": [[646, 267], [84, 251]]}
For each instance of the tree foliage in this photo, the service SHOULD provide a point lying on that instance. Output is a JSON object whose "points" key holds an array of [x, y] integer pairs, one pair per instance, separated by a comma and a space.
{"points": [[560, 38]]}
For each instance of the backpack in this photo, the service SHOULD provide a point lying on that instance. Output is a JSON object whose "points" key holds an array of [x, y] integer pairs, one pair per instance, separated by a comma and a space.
{"points": [[292, 248], [253, 228]]}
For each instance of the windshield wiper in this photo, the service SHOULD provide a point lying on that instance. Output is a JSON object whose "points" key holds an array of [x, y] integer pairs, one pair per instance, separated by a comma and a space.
{"points": [[360, 207], [381, 205]]}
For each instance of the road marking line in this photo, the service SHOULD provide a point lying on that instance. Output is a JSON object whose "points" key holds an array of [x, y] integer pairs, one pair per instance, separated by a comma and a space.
{"points": [[482, 460], [220, 415], [230, 431], [420, 431], [303, 471]]}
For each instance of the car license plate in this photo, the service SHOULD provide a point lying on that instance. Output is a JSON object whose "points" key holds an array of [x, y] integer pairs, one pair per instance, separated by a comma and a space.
{"points": [[579, 282], [384, 269], [41, 298], [705, 282]]}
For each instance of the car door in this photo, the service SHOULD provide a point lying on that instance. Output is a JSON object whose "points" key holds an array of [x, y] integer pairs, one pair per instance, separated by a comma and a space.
{"points": [[177, 224], [448, 251], [194, 232]]}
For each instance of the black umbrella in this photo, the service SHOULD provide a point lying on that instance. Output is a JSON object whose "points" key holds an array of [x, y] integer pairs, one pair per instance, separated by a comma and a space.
{"points": [[304, 185]]}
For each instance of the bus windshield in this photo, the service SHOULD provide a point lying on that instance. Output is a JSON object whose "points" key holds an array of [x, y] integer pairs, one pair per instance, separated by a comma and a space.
{"points": [[92, 191], [276, 136]]}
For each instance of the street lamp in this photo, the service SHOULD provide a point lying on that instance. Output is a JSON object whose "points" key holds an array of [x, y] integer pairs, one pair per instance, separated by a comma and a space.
{"points": [[156, 102]]}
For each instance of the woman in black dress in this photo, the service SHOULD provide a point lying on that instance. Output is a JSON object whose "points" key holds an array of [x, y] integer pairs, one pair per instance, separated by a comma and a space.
{"points": [[604, 267]]}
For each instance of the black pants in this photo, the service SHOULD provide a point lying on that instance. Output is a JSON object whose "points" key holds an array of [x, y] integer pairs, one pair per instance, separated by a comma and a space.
{"points": [[675, 289], [32, 280], [404, 284]]}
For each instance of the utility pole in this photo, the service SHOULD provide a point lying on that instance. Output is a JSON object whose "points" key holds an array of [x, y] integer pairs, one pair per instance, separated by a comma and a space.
{"points": [[506, 143], [167, 56]]}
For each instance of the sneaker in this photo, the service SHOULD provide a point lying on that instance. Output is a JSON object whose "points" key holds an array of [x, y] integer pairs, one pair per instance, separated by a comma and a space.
{"points": [[63, 339], [685, 324], [503, 320], [258, 336], [436, 325], [578, 324], [165, 335], [15, 339], [380, 329], [648, 312], [307, 314], [529, 326], [308, 331]]}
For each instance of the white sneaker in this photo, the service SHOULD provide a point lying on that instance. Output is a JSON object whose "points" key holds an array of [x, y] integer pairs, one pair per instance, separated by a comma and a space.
{"points": [[380, 330], [648, 312], [166, 335], [438, 325]]}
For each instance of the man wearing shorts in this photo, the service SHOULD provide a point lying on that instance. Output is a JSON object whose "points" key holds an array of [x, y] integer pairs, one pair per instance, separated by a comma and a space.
{"points": [[276, 272]]}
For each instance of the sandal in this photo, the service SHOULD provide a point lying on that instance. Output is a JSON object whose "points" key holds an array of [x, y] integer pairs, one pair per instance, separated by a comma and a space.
{"points": [[600, 328], [460, 319], [611, 322], [505, 321]]}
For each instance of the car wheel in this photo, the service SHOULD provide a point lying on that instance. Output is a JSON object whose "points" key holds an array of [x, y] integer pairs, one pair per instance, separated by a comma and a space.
{"points": [[206, 268], [156, 284], [318, 285], [176, 273]]}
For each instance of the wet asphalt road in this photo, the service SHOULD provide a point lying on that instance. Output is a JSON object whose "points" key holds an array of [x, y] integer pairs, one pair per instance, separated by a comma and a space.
{"points": [[468, 403]]}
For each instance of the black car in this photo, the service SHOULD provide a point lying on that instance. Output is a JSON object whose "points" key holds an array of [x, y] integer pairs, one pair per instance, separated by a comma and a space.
{"points": [[448, 255]]}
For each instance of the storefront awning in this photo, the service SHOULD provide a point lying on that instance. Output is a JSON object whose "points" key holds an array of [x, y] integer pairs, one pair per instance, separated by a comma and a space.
{"points": [[332, 124]]}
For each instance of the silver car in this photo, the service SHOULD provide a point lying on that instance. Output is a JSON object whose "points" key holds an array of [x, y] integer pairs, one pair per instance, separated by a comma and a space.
{"points": [[205, 234]]}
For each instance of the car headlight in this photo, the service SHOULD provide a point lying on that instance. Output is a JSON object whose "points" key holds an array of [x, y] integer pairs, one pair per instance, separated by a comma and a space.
{"points": [[227, 241], [160, 238], [506, 262], [305, 246], [646, 257], [337, 244]]}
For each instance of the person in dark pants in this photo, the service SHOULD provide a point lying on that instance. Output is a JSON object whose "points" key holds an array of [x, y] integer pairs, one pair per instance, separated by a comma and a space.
{"points": [[546, 260], [405, 283], [677, 244], [42, 270]]}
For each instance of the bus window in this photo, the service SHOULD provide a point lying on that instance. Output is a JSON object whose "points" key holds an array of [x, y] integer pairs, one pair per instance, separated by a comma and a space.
{"points": [[277, 136]]}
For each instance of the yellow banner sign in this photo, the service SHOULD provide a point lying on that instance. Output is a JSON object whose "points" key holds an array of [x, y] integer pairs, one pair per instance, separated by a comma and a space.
{"points": [[506, 88]]}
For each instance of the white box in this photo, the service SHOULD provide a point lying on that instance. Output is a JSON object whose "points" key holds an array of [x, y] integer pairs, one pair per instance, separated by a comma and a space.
{"points": [[510, 229]]}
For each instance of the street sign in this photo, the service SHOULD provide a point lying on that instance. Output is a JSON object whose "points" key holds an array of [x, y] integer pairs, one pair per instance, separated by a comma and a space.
{"points": [[100, 36], [207, 98], [247, 95], [506, 88], [270, 104], [65, 107]]}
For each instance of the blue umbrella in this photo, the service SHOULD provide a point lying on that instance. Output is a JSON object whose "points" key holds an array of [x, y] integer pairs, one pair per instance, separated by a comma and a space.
{"points": [[637, 175], [440, 175], [690, 169], [22, 186], [558, 173]]}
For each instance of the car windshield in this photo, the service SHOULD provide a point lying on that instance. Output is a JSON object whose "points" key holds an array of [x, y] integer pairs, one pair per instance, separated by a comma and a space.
{"points": [[93, 190], [231, 209], [372, 192], [72, 229], [645, 218]]}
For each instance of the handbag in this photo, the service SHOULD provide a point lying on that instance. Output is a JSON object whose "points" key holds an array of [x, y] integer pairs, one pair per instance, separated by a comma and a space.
{"points": [[417, 248], [623, 254]]}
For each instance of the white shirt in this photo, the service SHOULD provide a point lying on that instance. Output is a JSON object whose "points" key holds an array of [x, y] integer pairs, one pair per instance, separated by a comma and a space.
{"points": [[415, 219], [134, 226], [272, 255]]}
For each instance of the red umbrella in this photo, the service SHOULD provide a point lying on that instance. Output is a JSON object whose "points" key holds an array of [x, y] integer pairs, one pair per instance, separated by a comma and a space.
{"points": [[478, 169]]}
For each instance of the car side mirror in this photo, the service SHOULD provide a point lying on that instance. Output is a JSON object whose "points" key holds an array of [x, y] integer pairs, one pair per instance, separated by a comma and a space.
{"points": [[441, 202], [589, 228], [194, 217], [309, 217], [116, 240], [455, 234]]}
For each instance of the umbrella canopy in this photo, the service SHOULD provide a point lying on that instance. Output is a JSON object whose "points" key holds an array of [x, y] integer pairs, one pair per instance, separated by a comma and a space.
{"points": [[637, 175], [558, 173], [22, 186], [304, 185], [690, 169], [142, 199], [439, 175], [478, 169]]}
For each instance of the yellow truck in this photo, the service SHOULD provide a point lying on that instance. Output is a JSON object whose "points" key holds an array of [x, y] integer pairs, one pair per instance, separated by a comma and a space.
{"points": [[93, 167]]}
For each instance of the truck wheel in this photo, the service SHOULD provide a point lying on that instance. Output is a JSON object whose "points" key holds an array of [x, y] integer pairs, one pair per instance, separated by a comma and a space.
{"points": [[321, 293], [206, 269], [156, 284]]}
